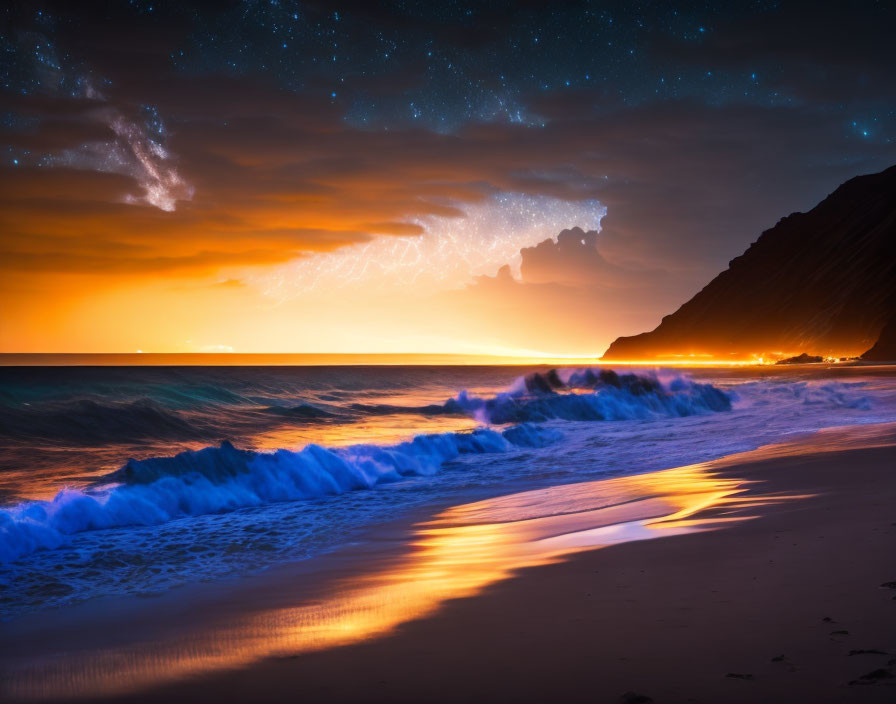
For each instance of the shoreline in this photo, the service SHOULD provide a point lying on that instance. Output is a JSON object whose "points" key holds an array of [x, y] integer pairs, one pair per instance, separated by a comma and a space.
{"points": [[515, 603], [703, 617]]}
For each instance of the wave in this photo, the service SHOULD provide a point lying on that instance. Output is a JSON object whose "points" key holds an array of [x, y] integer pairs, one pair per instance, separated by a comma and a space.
{"points": [[225, 478], [831, 394], [87, 422], [555, 395], [209, 411]]}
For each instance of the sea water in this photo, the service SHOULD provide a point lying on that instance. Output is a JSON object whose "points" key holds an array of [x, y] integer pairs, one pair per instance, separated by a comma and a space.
{"points": [[134, 480]]}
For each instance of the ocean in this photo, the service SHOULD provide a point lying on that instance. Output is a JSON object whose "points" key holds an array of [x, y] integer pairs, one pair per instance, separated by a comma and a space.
{"points": [[118, 480]]}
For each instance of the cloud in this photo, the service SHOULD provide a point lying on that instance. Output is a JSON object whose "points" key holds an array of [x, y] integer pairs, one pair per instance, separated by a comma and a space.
{"points": [[443, 252], [568, 297], [195, 174], [63, 120], [686, 186], [573, 259]]}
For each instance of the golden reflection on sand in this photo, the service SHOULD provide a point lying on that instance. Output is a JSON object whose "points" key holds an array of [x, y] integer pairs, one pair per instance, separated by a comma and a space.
{"points": [[457, 554]]}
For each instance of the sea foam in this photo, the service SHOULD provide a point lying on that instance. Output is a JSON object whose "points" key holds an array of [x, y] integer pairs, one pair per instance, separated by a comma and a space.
{"points": [[608, 396], [225, 478]]}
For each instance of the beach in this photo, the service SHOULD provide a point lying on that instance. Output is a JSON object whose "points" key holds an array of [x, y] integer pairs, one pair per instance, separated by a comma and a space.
{"points": [[768, 579], [778, 608]]}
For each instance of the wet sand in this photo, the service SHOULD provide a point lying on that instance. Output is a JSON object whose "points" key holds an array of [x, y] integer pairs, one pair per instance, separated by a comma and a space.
{"points": [[784, 603], [787, 607]]}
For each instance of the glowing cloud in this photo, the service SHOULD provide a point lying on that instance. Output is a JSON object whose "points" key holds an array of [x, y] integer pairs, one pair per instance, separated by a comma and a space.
{"points": [[449, 253], [137, 151]]}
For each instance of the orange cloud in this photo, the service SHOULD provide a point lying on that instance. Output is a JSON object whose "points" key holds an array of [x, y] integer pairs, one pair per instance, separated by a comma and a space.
{"points": [[277, 176]]}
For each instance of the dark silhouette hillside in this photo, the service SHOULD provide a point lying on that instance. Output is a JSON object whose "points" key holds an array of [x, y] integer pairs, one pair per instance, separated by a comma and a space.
{"points": [[822, 282]]}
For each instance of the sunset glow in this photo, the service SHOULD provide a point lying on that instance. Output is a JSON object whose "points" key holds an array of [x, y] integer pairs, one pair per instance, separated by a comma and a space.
{"points": [[446, 352], [144, 209]]}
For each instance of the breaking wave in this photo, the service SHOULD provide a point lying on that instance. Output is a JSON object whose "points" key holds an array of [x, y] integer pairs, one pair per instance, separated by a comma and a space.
{"points": [[610, 396], [557, 394], [225, 478], [164, 414]]}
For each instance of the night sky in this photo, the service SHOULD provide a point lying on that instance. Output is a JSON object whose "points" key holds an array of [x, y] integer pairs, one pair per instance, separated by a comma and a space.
{"points": [[278, 176]]}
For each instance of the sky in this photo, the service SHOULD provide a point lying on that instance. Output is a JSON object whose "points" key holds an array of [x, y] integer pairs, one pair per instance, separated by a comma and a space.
{"points": [[492, 178]]}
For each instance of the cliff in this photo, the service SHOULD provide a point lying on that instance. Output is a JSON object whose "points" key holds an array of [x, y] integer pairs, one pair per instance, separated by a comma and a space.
{"points": [[822, 282], [884, 350]]}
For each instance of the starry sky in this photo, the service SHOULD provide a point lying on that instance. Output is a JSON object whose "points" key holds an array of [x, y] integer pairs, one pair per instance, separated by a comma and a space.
{"points": [[395, 176]]}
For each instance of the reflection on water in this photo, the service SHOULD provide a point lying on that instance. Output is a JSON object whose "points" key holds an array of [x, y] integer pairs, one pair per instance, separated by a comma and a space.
{"points": [[376, 430], [457, 554], [38, 473]]}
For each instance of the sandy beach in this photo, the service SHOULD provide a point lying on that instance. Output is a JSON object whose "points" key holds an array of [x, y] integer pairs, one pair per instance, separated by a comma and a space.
{"points": [[788, 607], [790, 597]]}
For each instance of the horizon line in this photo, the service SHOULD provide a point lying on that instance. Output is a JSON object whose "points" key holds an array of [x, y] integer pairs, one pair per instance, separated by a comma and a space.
{"points": [[51, 359]]}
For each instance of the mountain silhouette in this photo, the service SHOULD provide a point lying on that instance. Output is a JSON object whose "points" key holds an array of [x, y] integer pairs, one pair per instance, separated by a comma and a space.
{"points": [[822, 282]]}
